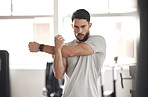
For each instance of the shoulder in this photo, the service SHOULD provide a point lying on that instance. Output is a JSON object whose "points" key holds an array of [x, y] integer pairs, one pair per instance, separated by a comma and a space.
{"points": [[96, 38], [97, 43], [70, 43]]}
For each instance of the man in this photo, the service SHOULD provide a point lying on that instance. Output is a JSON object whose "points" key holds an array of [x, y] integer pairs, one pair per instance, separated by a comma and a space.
{"points": [[80, 60]]}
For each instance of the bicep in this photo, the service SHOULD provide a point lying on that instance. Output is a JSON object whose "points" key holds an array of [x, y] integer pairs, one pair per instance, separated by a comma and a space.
{"points": [[93, 45], [80, 49]]}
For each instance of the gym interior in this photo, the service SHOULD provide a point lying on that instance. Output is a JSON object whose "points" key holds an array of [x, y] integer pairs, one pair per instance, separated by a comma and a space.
{"points": [[25, 74]]}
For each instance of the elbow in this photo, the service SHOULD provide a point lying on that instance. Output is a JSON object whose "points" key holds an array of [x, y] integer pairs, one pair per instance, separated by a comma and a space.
{"points": [[58, 76], [57, 73], [70, 53], [67, 53]]}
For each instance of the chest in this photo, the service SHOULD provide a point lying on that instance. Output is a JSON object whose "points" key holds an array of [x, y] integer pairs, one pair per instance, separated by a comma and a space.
{"points": [[71, 64]]}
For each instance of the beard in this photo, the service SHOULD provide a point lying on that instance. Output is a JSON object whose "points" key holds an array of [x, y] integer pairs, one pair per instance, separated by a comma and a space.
{"points": [[85, 37]]}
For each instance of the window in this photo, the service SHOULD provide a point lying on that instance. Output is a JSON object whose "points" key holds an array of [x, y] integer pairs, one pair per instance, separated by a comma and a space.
{"points": [[115, 20], [121, 34], [22, 21], [32, 7], [17, 33], [122, 6], [93, 6], [5, 7]]}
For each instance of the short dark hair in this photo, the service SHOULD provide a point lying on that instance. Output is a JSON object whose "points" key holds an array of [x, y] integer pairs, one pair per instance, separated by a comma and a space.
{"points": [[81, 14]]}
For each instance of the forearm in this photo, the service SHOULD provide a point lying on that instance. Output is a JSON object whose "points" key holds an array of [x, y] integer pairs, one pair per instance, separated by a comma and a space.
{"points": [[65, 52], [49, 49], [59, 66], [70, 51]]}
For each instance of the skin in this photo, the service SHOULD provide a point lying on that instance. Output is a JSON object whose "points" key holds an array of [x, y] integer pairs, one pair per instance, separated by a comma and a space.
{"points": [[61, 52], [81, 28]]}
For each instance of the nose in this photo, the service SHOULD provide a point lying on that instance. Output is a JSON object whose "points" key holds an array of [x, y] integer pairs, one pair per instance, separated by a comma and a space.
{"points": [[80, 30]]}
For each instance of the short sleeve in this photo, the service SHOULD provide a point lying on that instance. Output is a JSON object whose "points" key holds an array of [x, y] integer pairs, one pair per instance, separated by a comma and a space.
{"points": [[97, 43], [71, 43]]}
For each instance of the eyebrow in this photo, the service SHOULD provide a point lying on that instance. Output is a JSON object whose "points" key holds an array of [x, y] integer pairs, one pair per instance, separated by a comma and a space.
{"points": [[78, 26]]}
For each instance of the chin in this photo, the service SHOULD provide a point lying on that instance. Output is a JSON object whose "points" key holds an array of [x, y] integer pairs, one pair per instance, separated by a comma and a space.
{"points": [[80, 38]]}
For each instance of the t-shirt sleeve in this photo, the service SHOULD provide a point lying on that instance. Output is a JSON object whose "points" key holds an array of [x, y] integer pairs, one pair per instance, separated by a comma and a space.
{"points": [[97, 43]]}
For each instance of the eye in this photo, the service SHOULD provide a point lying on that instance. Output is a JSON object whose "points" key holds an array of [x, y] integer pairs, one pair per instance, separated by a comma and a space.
{"points": [[76, 27], [83, 26]]}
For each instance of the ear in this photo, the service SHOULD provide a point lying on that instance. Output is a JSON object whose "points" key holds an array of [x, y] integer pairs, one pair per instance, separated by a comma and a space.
{"points": [[72, 25], [90, 24]]}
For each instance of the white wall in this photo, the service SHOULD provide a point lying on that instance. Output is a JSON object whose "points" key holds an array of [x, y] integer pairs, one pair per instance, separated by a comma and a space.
{"points": [[27, 83], [30, 82]]}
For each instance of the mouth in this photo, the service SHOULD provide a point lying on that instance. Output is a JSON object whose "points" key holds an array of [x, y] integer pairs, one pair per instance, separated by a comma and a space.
{"points": [[80, 35]]}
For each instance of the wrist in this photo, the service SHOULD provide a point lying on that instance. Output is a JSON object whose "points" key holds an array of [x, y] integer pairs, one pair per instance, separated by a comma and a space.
{"points": [[41, 47], [57, 49]]}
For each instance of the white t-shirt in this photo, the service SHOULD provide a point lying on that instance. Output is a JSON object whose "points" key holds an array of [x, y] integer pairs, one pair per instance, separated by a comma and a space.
{"points": [[83, 71]]}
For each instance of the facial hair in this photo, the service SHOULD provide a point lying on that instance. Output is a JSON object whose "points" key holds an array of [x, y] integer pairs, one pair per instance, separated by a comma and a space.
{"points": [[85, 37]]}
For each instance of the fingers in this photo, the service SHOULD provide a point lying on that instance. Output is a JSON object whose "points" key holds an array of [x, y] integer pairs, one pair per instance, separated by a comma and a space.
{"points": [[59, 37], [29, 45], [59, 41], [33, 46]]}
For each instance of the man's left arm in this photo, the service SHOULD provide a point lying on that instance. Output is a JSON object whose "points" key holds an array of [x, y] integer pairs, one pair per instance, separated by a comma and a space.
{"points": [[77, 50], [59, 65], [89, 47]]}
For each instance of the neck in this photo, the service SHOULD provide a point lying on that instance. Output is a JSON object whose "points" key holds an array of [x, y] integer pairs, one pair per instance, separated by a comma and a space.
{"points": [[82, 41]]}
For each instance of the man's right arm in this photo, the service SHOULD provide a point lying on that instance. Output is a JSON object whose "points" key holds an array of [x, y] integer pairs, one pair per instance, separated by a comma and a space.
{"points": [[34, 47], [59, 63], [67, 51]]}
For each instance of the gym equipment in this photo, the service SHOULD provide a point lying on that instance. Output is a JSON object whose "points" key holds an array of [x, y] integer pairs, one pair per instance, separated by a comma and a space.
{"points": [[114, 77], [4, 74], [52, 85], [133, 72], [110, 93]]}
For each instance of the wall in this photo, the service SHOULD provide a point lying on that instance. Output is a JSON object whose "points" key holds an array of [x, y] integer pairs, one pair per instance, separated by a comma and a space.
{"points": [[27, 83], [30, 82]]}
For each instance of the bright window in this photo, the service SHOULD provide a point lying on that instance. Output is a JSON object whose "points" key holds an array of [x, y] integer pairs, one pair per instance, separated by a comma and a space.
{"points": [[120, 32], [5, 7], [32, 7], [116, 20], [121, 35], [17, 33], [22, 21]]}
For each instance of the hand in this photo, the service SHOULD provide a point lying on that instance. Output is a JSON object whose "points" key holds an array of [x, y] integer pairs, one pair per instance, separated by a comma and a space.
{"points": [[59, 41], [33, 46]]}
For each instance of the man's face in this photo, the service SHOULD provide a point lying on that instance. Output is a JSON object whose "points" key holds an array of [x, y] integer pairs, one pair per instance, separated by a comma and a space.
{"points": [[81, 29]]}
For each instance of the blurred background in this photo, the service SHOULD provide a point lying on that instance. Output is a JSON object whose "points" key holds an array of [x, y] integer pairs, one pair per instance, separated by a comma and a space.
{"points": [[22, 21]]}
